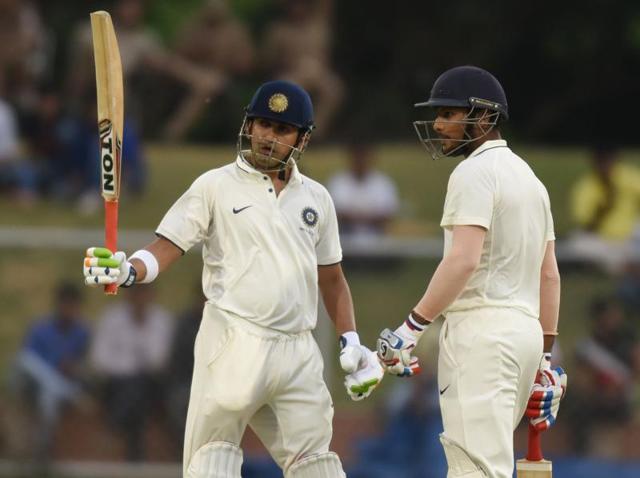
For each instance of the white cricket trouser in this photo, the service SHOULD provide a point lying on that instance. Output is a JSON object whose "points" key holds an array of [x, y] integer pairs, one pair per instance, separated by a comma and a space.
{"points": [[245, 374], [486, 366]]}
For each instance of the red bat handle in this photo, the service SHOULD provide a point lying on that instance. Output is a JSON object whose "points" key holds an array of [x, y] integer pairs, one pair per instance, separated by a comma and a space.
{"points": [[534, 450], [111, 236]]}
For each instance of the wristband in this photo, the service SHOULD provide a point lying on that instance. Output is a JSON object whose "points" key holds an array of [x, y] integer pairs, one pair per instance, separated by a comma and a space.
{"points": [[411, 329], [414, 325], [131, 279], [349, 338], [150, 262]]}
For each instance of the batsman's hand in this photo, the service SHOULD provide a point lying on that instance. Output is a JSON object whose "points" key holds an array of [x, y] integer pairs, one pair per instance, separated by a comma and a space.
{"points": [[102, 267], [544, 402], [394, 353], [364, 371]]}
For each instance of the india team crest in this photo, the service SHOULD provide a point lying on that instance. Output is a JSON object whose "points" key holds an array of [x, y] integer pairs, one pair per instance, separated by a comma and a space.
{"points": [[310, 216], [278, 103]]}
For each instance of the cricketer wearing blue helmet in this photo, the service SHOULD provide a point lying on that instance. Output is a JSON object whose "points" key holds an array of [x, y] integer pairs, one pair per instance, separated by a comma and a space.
{"points": [[270, 244]]}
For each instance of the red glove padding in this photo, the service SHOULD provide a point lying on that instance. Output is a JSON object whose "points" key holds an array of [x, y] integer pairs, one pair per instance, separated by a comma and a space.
{"points": [[544, 401]]}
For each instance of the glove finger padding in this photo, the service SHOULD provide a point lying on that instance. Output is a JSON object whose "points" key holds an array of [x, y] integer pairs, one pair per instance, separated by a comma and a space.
{"points": [[396, 356], [101, 267], [361, 383], [546, 394], [99, 280], [401, 370]]}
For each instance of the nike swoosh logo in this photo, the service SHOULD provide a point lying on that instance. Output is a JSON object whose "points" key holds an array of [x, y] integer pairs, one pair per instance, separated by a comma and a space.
{"points": [[236, 211], [444, 389]]}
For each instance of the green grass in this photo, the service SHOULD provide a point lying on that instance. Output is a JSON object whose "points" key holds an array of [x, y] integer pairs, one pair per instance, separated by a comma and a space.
{"points": [[381, 299], [422, 183]]}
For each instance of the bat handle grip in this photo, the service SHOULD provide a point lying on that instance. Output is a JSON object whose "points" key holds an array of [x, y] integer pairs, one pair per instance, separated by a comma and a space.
{"points": [[534, 449], [111, 236]]}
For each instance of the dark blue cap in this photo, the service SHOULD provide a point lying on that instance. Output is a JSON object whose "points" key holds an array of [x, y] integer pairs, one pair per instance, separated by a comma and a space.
{"points": [[467, 87], [282, 101]]}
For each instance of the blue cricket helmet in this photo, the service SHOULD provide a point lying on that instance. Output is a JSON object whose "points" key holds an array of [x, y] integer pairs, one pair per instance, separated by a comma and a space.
{"points": [[282, 101], [468, 87]]}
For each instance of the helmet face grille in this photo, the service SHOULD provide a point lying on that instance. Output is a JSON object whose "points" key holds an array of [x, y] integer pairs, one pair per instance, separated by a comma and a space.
{"points": [[267, 161], [435, 145]]}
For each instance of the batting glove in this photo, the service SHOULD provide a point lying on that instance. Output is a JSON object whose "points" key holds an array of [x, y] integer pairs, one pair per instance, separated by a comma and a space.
{"points": [[102, 267], [544, 401], [364, 372], [361, 383], [394, 348]]}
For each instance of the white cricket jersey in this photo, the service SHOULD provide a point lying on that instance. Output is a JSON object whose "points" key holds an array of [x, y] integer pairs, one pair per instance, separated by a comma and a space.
{"points": [[260, 251], [496, 189]]}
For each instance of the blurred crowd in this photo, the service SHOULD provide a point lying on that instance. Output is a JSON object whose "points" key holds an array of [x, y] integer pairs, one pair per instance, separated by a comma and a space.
{"points": [[133, 364], [48, 124]]}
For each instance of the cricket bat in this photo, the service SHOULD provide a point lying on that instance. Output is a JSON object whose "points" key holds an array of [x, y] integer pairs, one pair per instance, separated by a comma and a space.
{"points": [[109, 92], [534, 465]]}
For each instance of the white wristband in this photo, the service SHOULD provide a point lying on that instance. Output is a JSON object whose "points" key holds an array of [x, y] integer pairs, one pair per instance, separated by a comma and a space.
{"points": [[150, 262]]}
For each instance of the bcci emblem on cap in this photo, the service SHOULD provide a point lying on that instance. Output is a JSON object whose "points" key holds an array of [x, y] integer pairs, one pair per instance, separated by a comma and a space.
{"points": [[310, 216], [278, 103]]}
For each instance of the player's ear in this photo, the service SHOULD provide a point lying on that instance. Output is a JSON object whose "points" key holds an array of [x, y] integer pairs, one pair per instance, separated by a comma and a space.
{"points": [[248, 126], [303, 141], [484, 120]]}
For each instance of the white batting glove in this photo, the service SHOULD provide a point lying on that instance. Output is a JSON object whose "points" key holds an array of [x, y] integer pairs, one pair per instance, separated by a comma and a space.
{"points": [[394, 348], [546, 393], [364, 372], [102, 267]]}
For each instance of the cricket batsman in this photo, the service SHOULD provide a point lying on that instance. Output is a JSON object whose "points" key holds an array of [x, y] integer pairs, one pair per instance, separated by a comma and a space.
{"points": [[497, 286], [270, 241]]}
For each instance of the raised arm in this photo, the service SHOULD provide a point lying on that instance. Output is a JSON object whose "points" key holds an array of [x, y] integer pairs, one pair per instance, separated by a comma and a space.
{"points": [[165, 253], [101, 266]]}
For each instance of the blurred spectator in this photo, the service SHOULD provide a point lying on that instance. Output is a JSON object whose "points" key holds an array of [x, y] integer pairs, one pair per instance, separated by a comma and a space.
{"points": [[601, 390], [181, 367], [49, 365], [130, 351], [628, 287], [366, 200], [17, 176], [218, 43], [144, 59], [605, 204], [65, 148], [409, 446], [25, 50], [298, 48]]}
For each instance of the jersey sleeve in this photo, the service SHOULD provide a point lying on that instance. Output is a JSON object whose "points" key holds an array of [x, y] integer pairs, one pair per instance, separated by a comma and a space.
{"points": [[550, 234], [470, 197], [328, 249], [188, 220]]}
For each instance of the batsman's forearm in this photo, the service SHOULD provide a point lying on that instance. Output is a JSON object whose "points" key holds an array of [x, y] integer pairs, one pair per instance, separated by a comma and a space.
{"points": [[447, 282], [549, 308], [339, 304], [549, 295], [165, 252]]}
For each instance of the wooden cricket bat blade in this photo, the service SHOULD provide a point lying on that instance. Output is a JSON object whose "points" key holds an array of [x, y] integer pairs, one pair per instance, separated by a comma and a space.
{"points": [[534, 469], [110, 102]]}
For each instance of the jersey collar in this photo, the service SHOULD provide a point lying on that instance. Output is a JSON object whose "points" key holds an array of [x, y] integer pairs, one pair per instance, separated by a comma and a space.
{"points": [[494, 143], [295, 177]]}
